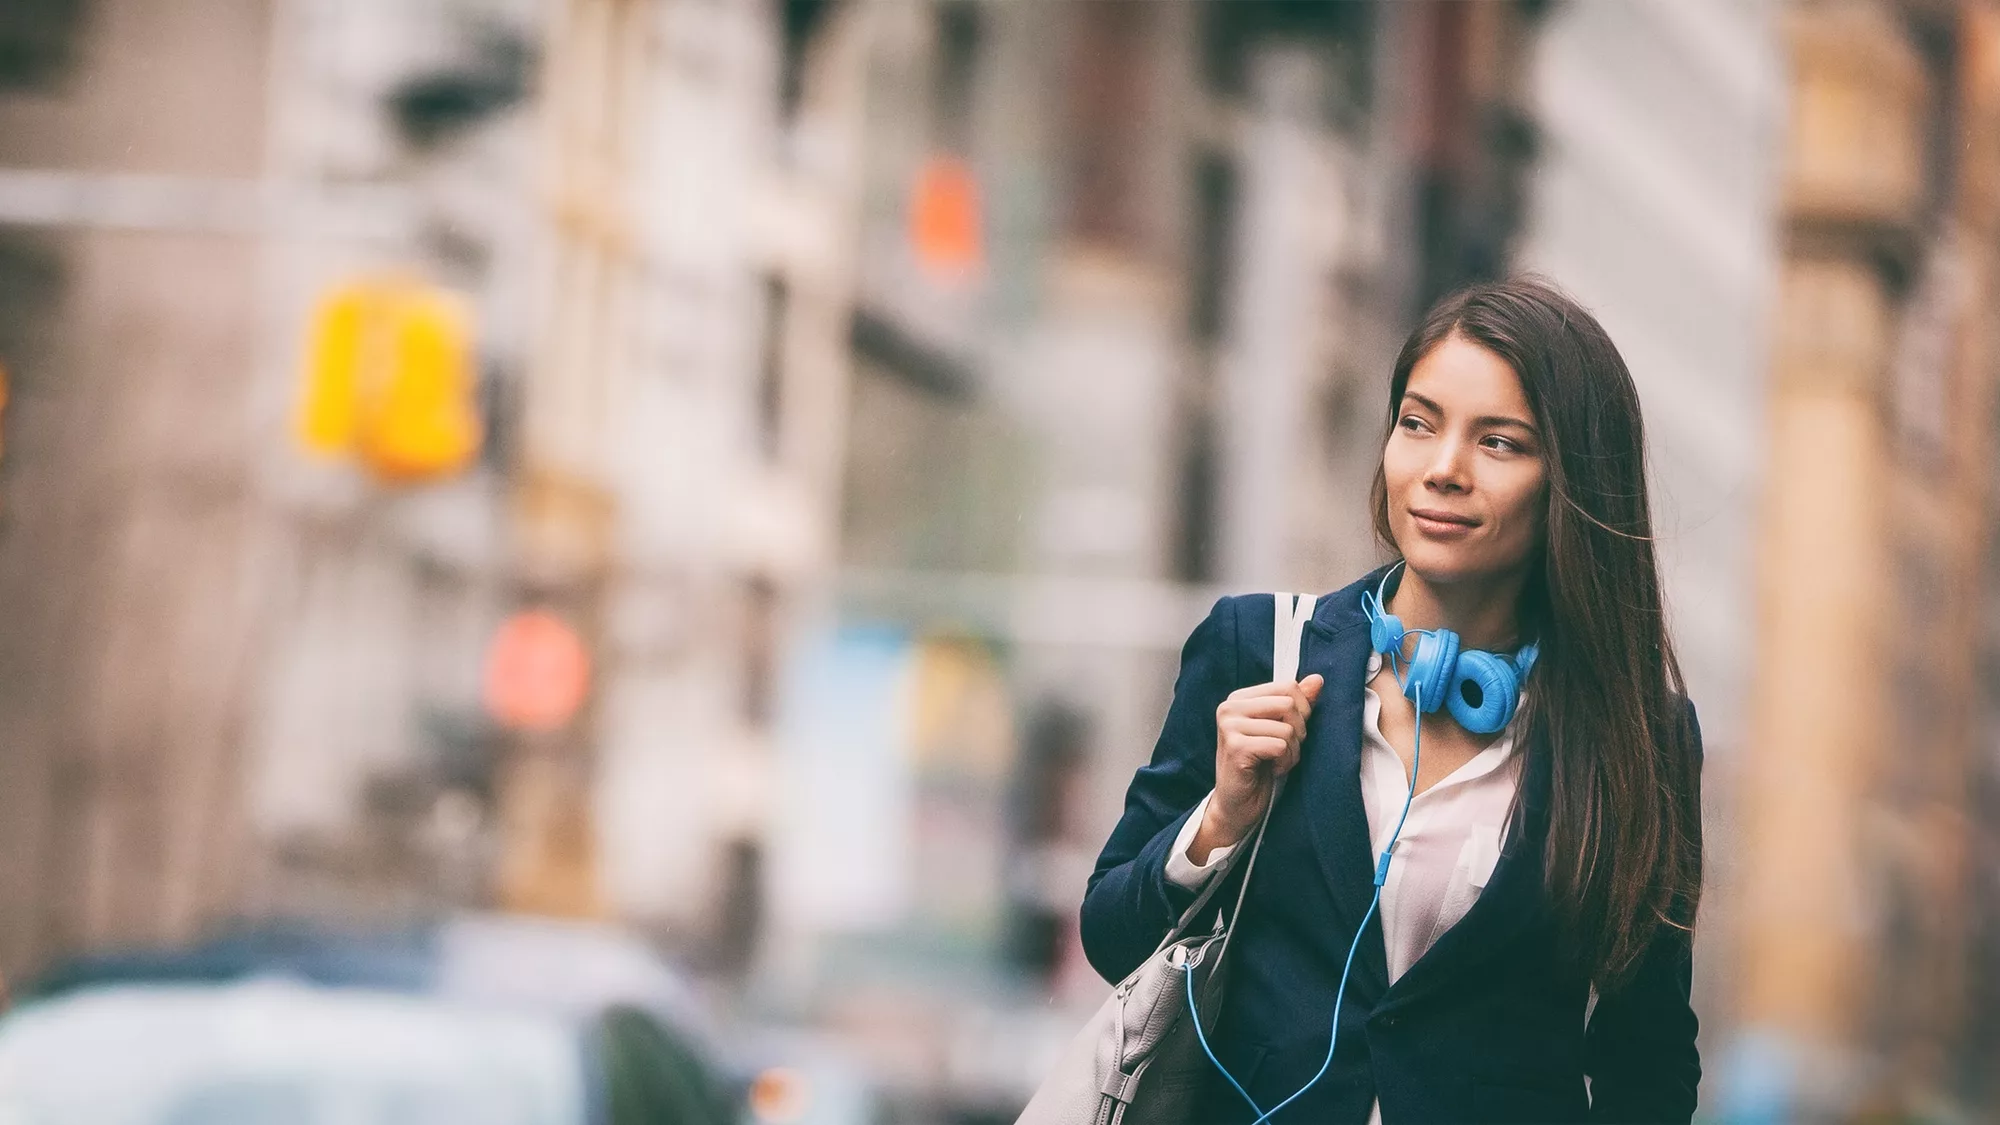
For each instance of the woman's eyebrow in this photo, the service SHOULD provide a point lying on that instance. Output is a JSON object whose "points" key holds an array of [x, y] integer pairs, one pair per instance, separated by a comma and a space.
{"points": [[1483, 420]]}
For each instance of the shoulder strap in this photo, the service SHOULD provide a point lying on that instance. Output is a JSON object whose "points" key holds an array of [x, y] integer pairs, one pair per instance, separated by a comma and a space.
{"points": [[1288, 634]]}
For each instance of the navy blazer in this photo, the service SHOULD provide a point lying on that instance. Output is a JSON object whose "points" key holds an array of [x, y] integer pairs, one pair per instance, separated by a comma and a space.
{"points": [[1488, 1025]]}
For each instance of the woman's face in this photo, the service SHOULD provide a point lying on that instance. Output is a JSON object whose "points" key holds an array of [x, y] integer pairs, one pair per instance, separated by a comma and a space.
{"points": [[1466, 482]]}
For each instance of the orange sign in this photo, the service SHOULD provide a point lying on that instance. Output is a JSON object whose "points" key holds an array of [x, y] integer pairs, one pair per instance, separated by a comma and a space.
{"points": [[944, 218], [537, 672]]}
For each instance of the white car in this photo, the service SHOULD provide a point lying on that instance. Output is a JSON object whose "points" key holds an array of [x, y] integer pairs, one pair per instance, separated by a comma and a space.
{"points": [[272, 1052], [479, 1021]]}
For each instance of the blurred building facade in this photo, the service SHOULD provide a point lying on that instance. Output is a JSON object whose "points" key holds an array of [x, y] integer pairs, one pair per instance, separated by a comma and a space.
{"points": [[1855, 974], [132, 624], [646, 206]]}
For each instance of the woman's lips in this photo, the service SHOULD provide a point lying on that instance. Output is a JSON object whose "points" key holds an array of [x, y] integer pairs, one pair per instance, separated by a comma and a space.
{"points": [[1442, 525]]}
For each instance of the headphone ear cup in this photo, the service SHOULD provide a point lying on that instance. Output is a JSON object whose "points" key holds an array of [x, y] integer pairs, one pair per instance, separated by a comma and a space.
{"points": [[1431, 668], [1484, 691]]}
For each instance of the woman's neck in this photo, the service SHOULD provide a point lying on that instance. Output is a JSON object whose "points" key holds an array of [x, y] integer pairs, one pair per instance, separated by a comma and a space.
{"points": [[1484, 611]]}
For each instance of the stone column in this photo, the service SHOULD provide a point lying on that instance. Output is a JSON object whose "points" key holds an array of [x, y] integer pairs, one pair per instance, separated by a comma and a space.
{"points": [[1853, 186]]}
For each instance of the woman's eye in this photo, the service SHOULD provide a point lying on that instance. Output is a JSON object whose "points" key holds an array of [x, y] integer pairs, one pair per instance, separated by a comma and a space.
{"points": [[1411, 422], [1505, 445]]}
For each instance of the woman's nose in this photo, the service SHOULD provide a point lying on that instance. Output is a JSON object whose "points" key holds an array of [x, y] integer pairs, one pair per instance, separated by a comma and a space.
{"points": [[1447, 469]]}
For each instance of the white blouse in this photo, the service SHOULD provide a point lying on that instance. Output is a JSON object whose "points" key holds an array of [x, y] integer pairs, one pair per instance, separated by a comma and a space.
{"points": [[1448, 848]]}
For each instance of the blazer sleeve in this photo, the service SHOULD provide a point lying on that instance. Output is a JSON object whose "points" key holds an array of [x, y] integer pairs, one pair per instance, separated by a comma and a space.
{"points": [[1129, 904], [1639, 1049]]}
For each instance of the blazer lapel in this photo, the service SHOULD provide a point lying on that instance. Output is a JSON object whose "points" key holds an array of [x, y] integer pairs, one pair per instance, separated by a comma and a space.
{"points": [[1329, 770], [1511, 902]]}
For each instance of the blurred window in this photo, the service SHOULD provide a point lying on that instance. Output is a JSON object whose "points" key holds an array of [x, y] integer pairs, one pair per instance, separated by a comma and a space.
{"points": [[1109, 97], [1214, 238], [960, 30], [33, 279], [1211, 276], [771, 373], [800, 22], [760, 650], [38, 42]]}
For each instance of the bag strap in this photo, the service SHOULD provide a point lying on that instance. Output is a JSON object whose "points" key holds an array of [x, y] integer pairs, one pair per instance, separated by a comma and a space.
{"points": [[1288, 634]]}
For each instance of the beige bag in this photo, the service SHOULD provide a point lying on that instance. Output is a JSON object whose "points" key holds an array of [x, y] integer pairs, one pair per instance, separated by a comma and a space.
{"points": [[1138, 1060]]}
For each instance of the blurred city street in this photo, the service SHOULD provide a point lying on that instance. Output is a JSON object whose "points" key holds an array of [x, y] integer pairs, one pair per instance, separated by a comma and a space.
{"points": [[584, 562]]}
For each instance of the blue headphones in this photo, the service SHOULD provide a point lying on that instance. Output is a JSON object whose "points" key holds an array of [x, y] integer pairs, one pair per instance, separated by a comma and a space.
{"points": [[1481, 689]]}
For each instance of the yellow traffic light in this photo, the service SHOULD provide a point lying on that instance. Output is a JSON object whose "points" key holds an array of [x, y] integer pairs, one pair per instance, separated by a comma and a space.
{"points": [[328, 416], [390, 379]]}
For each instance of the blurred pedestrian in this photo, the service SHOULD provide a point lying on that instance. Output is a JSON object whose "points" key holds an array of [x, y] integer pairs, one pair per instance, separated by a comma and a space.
{"points": [[1477, 888]]}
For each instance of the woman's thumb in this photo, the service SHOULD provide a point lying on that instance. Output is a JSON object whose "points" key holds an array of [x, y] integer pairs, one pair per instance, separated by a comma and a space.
{"points": [[1312, 684]]}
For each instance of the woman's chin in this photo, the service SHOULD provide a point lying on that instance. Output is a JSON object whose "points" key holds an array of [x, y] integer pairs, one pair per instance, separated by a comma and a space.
{"points": [[1440, 565], [1442, 569]]}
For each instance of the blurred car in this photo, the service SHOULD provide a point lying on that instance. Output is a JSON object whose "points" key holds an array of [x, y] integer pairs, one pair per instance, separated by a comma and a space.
{"points": [[265, 1052], [477, 1020]]}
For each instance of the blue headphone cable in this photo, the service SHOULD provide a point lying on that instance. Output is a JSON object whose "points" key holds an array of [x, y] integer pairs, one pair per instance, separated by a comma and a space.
{"points": [[1381, 877]]}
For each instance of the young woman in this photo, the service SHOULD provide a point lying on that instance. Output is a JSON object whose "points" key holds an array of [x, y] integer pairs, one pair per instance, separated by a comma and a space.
{"points": [[1525, 954]]}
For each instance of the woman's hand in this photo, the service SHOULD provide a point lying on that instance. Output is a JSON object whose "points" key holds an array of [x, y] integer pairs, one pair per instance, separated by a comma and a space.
{"points": [[1257, 735]]}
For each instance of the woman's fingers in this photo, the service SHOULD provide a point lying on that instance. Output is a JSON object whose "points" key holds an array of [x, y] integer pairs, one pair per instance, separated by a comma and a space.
{"points": [[1283, 708], [1263, 739], [1275, 729], [1272, 705], [1251, 752]]}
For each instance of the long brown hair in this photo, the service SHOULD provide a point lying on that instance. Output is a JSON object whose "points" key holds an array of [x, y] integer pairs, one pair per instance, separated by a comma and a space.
{"points": [[1623, 852]]}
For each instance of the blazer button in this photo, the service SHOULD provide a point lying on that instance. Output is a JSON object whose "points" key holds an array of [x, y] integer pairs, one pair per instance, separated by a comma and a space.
{"points": [[1388, 1021]]}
